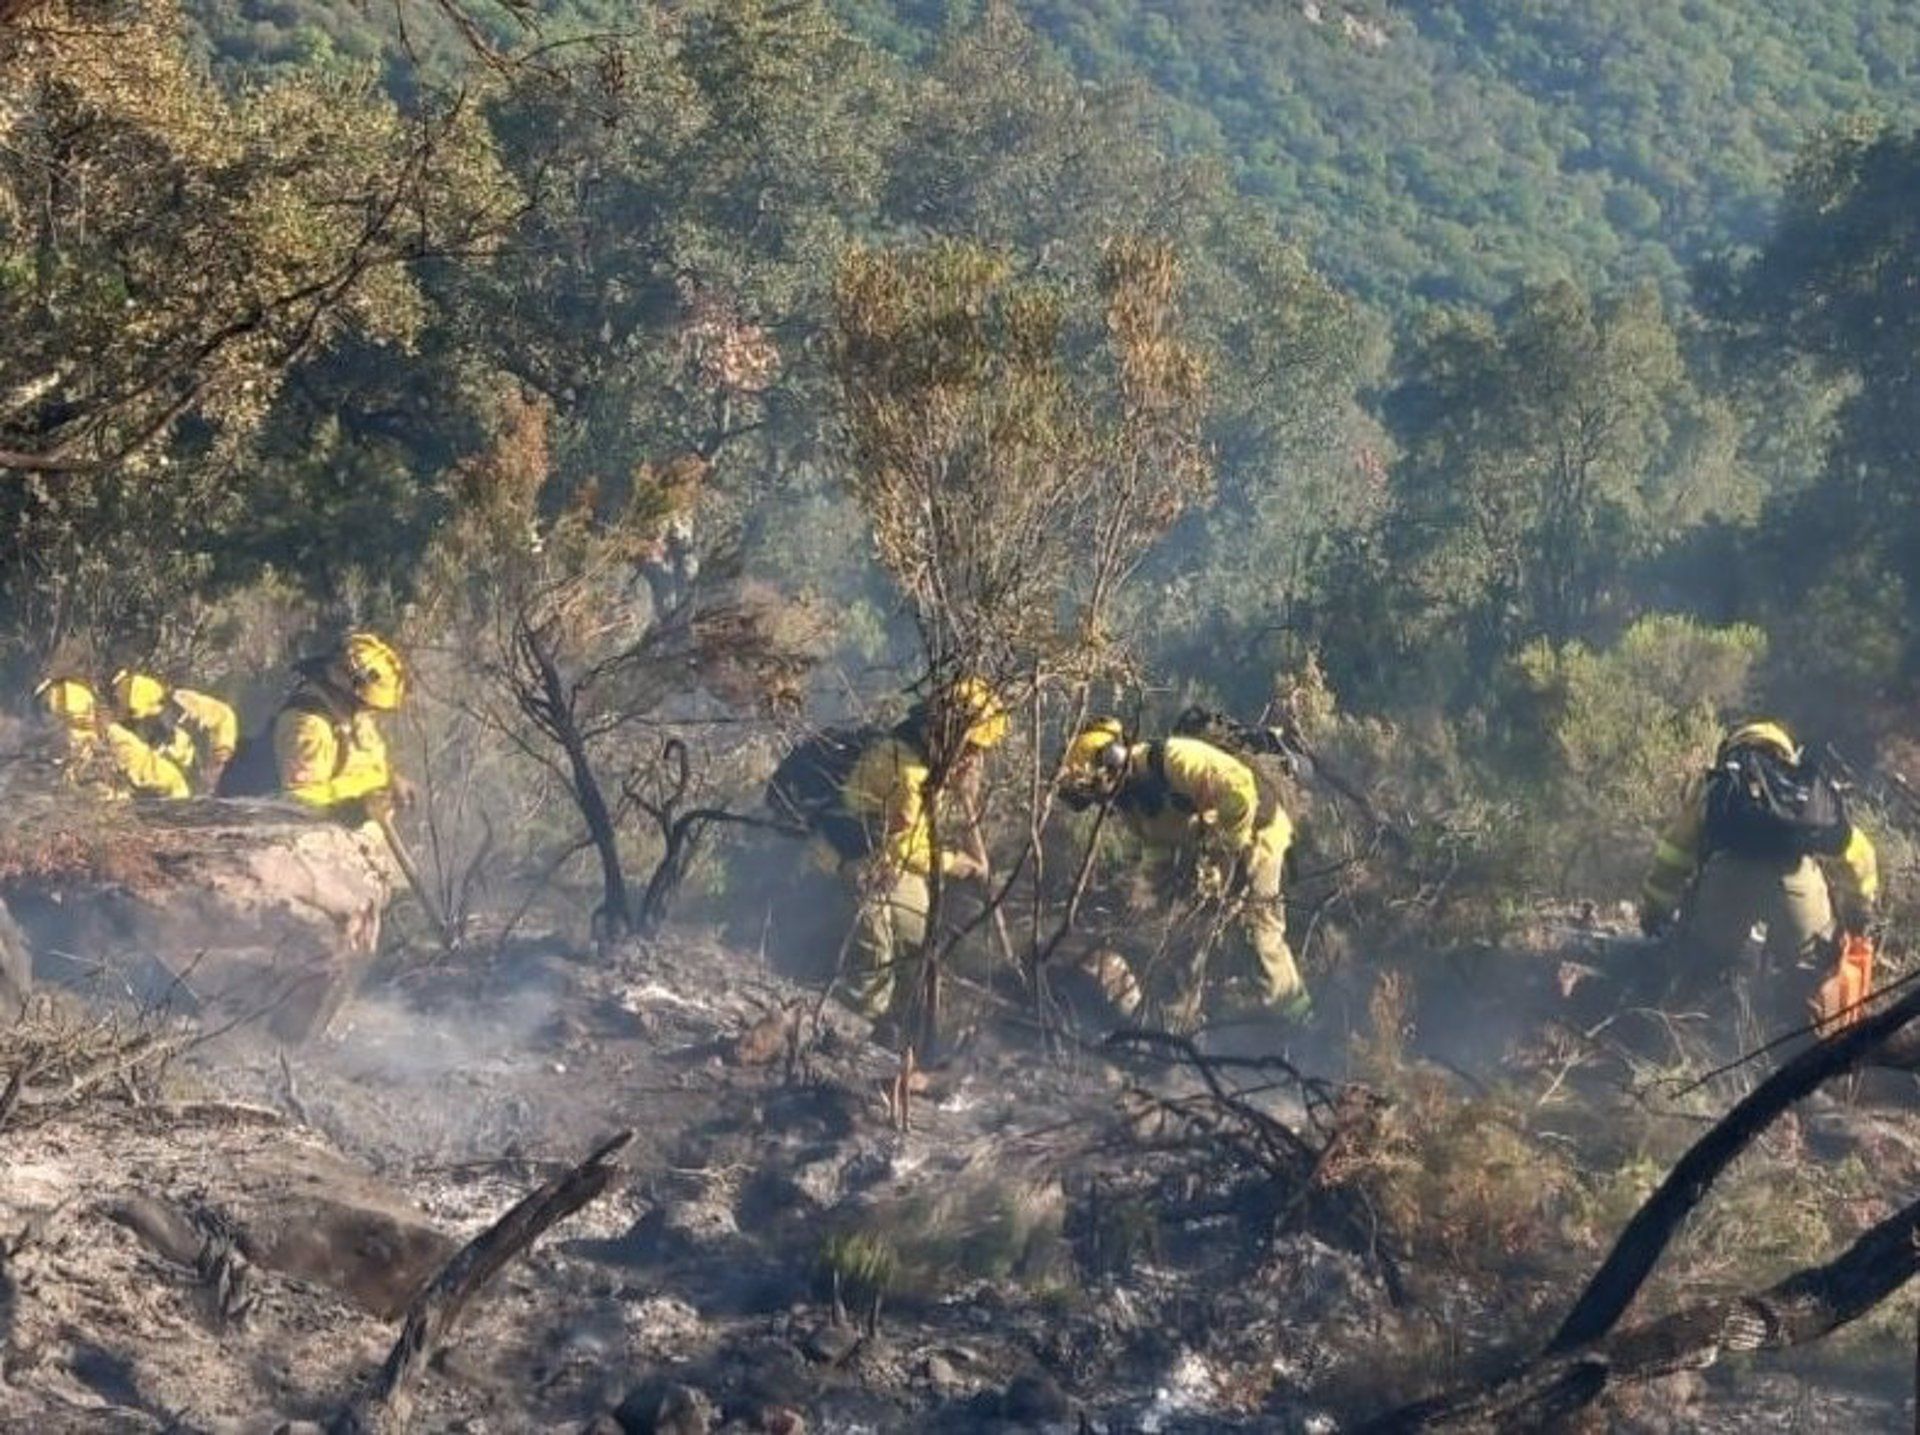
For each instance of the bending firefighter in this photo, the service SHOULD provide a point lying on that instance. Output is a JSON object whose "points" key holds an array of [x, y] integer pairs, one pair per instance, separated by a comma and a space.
{"points": [[101, 757], [327, 752], [863, 796], [193, 731], [1195, 808], [1764, 836]]}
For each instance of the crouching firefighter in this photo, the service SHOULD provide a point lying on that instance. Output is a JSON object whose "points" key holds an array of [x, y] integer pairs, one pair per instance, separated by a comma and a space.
{"points": [[1201, 810], [1763, 836], [325, 749], [863, 795], [197, 733]]}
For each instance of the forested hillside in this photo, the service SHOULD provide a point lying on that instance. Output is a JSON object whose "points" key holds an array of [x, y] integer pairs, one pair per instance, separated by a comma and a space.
{"points": [[1448, 150], [1442, 151]]}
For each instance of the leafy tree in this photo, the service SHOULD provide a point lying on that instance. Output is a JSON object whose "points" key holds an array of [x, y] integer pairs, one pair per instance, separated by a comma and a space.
{"points": [[1543, 450], [168, 254], [1012, 492], [1607, 738], [1003, 145], [1831, 297]]}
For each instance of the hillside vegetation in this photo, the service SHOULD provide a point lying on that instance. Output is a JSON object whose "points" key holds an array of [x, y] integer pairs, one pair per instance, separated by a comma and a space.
{"points": [[1503, 398]]}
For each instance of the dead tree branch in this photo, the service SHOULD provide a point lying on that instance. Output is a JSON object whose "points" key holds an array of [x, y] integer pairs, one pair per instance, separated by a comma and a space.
{"points": [[1296, 1165], [1659, 1220], [1806, 1306], [1656, 1223], [438, 1308], [680, 831]]}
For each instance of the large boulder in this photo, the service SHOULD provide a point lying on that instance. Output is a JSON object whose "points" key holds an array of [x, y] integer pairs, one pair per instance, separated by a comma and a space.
{"points": [[233, 909]]}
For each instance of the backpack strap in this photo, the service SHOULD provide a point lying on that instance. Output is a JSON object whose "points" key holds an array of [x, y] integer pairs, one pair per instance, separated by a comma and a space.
{"points": [[315, 701]]}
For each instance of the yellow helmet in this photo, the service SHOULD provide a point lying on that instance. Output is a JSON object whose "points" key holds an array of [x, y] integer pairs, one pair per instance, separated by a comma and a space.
{"points": [[1088, 752], [137, 695], [1770, 735], [374, 671], [68, 699], [985, 714]]}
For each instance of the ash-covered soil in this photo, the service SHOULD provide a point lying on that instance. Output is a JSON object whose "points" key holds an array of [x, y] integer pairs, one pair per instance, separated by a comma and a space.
{"points": [[1052, 1253]]}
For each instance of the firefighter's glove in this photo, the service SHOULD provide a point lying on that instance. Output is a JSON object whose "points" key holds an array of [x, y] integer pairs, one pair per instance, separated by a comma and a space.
{"points": [[379, 805], [1654, 922], [1854, 914], [405, 793]]}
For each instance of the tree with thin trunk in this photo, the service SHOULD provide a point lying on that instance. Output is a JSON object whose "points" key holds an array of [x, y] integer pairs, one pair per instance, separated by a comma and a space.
{"points": [[1015, 458]]}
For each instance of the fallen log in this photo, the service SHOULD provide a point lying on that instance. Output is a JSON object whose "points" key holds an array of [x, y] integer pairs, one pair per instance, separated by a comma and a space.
{"points": [[1805, 1307], [385, 1404]]}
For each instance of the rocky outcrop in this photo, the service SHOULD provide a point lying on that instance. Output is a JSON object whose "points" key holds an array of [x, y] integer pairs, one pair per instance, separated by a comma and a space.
{"points": [[230, 909]]}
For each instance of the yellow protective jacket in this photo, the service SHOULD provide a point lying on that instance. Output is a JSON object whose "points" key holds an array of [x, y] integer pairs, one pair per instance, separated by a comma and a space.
{"points": [[328, 758], [1677, 856], [198, 732], [1191, 792], [114, 762], [887, 791]]}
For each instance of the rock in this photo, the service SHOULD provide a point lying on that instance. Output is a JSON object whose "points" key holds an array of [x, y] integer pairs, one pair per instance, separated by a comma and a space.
{"points": [[661, 1407], [1035, 1397], [602, 1425], [830, 1344], [780, 1420], [229, 907], [301, 1211], [940, 1373], [772, 1376], [662, 1324], [692, 1215], [763, 1043]]}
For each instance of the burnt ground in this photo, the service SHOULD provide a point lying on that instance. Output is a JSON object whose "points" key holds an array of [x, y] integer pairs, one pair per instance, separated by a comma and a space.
{"points": [[1048, 1251]]}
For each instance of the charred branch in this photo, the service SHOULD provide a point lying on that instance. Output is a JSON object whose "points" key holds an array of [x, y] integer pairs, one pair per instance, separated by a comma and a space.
{"points": [[1805, 1307], [438, 1309]]}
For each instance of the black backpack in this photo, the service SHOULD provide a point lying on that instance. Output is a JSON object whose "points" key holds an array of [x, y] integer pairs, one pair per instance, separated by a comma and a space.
{"points": [[1760, 804], [1229, 734], [806, 790]]}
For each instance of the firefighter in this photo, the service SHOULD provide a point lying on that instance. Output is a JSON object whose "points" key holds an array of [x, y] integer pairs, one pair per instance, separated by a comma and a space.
{"points": [[1199, 810], [1762, 837], [886, 796], [195, 732], [327, 743], [100, 757]]}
